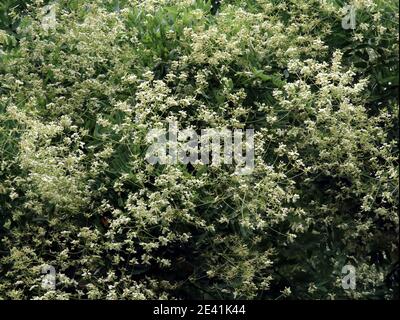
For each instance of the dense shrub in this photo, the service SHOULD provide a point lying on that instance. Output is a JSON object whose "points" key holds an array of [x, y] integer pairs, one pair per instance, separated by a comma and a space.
{"points": [[76, 102]]}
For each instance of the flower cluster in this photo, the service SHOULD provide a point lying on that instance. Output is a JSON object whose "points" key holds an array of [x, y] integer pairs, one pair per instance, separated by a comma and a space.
{"points": [[78, 97]]}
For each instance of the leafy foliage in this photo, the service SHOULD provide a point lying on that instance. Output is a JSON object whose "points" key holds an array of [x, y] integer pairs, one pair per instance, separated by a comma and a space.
{"points": [[77, 99]]}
